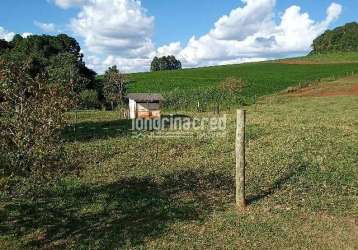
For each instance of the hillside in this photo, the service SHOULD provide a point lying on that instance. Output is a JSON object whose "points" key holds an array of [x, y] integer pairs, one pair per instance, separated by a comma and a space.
{"points": [[341, 39], [184, 88], [325, 58], [178, 193]]}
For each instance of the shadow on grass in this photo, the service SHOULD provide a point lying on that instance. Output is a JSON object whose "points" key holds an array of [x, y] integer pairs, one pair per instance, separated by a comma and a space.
{"points": [[122, 214], [181, 116], [85, 131], [254, 132], [278, 184]]}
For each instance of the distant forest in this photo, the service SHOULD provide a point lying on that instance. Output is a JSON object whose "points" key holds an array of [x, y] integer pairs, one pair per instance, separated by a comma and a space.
{"points": [[340, 39]]}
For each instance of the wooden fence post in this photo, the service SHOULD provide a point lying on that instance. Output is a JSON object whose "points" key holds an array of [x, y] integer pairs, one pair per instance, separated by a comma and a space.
{"points": [[240, 159]]}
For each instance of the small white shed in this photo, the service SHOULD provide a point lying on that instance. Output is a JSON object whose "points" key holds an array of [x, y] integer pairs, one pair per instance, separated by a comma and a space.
{"points": [[144, 105]]}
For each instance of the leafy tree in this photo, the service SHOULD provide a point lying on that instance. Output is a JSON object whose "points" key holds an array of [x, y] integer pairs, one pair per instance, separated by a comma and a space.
{"points": [[45, 52], [70, 45], [16, 39], [114, 85], [173, 63], [46, 46], [65, 69], [341, 39], [32, 114], [165, 63], [155, 64], [4, 45]]}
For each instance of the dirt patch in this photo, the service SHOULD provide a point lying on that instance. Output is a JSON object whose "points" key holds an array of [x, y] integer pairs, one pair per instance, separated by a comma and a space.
{"points": [[343, 87], [322, 92]]}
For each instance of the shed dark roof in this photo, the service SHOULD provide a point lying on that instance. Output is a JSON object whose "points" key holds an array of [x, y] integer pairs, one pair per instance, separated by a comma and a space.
{"points": [[145, 97]]}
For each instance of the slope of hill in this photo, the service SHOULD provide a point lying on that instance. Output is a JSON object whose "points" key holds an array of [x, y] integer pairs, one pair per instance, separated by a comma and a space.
{"points": [[341, 39], [184, 88], [325, 58]]}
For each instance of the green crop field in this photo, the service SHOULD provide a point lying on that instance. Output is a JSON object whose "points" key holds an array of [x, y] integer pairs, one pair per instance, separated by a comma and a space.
{"points": [[183, 89]]}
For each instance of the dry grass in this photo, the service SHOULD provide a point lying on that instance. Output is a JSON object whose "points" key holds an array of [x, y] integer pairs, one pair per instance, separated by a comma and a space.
{"points": [[342, 87]]}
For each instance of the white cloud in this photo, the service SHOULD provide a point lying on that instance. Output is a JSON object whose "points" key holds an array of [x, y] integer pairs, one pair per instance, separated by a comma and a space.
{"points": [[134, 64], [250, 32], [65, 4], [26, 34], [117, 31], [297, 31], [243, 22], [6, 35], [333, 12], [124, 65], [170, 49], [46, 27], [239, 60], [120, 32]]}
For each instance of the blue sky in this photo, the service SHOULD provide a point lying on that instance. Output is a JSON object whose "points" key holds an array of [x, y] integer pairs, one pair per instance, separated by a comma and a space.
{"points": [[107, 38]]}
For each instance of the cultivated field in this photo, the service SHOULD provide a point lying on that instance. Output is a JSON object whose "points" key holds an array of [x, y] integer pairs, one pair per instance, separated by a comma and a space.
{"points": [[184, 88], [160, 193]]}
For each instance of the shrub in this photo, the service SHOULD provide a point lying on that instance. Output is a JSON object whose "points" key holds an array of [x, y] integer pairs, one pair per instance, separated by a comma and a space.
{"points": [[89, 99], [232, 85], [32, 117]]}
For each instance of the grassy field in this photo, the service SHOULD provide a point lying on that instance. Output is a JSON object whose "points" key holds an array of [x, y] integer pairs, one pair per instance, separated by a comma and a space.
{"points": [[346, 57], [184, 88], [161, 193]]}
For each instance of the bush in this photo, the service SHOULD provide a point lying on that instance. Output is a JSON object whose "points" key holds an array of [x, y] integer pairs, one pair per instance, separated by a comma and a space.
{"points": [[33, 116], [232, 85], [89, 99]]}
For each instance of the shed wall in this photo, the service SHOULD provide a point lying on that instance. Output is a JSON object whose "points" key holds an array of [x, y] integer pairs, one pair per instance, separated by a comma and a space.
{"points": [[132, 109], [143, 110]]}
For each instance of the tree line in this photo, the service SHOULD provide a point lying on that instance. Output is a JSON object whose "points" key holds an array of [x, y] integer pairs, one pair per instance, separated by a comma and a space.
{"points": [[165, 63]]}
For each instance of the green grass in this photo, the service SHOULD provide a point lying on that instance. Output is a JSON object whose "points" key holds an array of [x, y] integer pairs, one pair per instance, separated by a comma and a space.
{"points": [[184, 88], [160, 193], [178, 193], [337, 57]]}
